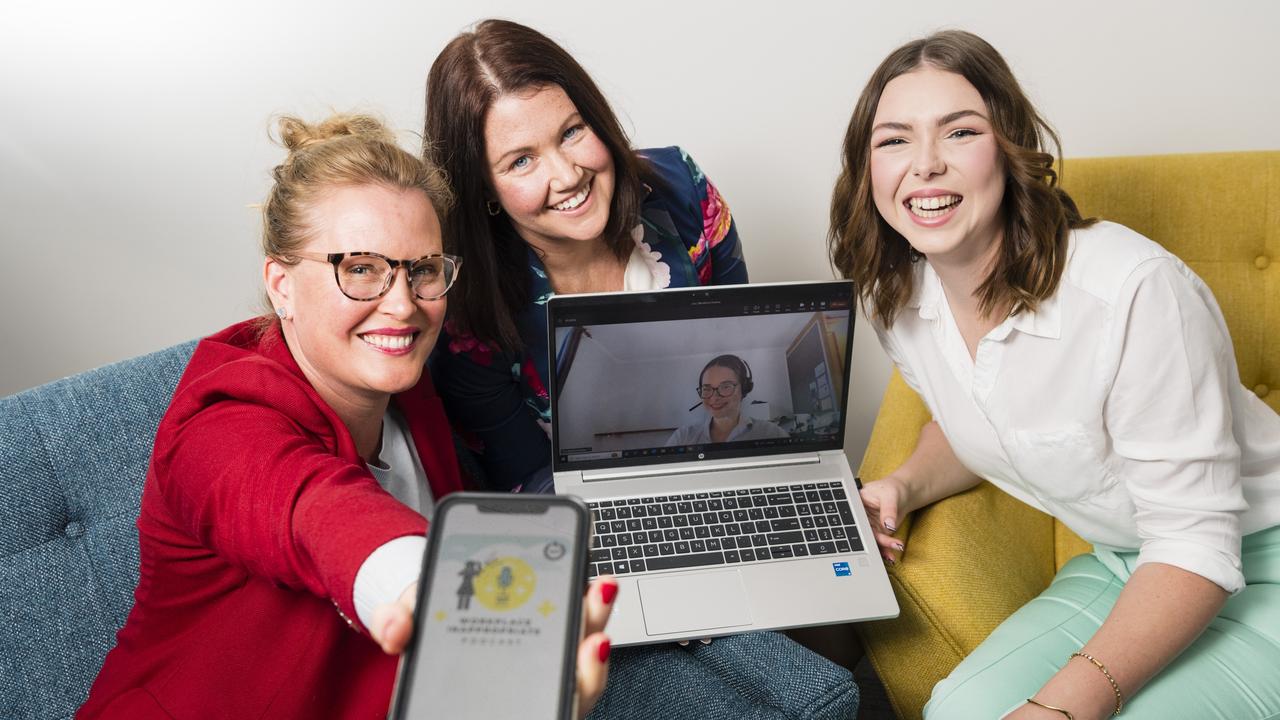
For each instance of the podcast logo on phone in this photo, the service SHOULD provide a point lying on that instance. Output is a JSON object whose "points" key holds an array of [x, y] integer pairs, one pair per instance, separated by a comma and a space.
{"points": [[507, 594], [501, 584]]}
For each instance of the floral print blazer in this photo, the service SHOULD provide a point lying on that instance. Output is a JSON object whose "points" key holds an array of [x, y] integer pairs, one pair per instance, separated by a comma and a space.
{"points": [[498, 402]]}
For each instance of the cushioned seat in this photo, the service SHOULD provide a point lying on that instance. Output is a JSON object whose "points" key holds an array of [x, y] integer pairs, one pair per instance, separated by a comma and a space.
{"points": [[74, 456]]}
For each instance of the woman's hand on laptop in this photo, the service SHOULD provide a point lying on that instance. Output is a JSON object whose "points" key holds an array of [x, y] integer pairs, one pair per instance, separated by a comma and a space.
{"points": [[885, 499], [393, 626]]}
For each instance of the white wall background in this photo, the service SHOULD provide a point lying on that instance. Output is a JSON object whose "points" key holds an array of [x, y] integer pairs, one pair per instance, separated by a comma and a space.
{"points": [[133, 134]]}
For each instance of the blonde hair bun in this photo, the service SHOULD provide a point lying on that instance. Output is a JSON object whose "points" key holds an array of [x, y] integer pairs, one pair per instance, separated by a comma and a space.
{"points": [[341, 150], [297, 134]]}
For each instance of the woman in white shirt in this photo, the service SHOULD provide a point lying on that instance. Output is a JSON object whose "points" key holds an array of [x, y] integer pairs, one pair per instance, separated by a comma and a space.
{"points": [[723, 384], [1081, 368]]}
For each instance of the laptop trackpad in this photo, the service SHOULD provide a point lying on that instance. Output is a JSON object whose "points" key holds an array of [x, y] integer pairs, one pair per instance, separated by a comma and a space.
{"points": [[694, 602]]}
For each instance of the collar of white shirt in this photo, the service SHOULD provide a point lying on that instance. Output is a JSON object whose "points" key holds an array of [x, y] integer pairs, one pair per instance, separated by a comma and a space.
{"points": [[930, 303]]}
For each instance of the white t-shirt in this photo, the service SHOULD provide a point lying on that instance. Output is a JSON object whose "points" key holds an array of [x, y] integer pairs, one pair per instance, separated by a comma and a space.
{"points": [[399, 470], [395, 565], [1116, 406]]}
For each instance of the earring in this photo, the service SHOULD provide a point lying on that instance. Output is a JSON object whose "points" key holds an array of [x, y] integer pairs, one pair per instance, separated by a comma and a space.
{"points": [[282, 313], [493, 206]]}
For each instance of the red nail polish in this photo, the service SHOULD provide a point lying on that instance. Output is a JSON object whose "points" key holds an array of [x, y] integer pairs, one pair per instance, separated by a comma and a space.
{"points": [[608, 592], [602, 652]]}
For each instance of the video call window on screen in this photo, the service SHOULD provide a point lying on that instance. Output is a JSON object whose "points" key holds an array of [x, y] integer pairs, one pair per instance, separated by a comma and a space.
{"points": [[652, 389]]}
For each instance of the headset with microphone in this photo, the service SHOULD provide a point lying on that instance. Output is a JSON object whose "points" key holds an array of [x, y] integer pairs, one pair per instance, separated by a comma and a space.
{"points": [[739, 368]]}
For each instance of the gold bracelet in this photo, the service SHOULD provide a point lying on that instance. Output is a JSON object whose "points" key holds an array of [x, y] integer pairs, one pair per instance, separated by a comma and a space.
{"points": [[1114, 685], [1034, 701]]}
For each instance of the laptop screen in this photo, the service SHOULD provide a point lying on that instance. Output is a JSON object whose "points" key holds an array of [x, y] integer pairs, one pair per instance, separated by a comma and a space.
{"points": [[698, 373]]}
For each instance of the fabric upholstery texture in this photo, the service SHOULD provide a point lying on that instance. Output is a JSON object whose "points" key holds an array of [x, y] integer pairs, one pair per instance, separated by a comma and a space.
{"points": [[973, 559], [75, 453]]}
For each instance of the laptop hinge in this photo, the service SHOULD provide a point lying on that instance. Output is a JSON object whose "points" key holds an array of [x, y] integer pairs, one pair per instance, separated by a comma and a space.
{"points": [[683, 469]]}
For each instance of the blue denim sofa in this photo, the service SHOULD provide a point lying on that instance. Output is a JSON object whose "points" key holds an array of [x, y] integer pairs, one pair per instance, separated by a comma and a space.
{"points": [[73, 455]]}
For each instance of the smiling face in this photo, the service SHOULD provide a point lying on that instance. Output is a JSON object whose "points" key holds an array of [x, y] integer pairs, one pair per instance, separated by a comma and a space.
{"points": [[722, 408], [353, 352], [936, 172], [552, 175]]}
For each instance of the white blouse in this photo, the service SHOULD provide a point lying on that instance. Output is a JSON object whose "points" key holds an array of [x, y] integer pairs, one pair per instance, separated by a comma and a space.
{"points": [[645, 269], [1116, 406]]}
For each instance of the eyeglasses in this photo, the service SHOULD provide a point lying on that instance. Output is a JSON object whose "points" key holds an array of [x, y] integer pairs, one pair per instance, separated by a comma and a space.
{"points": [[724, 389], [367, 276]]}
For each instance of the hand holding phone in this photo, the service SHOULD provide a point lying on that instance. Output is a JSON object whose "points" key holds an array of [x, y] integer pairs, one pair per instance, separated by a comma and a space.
{"points": [[393, 628], [593, 651], [500, 613]]}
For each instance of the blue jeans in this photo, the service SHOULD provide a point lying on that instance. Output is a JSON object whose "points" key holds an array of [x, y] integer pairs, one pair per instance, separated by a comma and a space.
{"points": [[754, 676]]}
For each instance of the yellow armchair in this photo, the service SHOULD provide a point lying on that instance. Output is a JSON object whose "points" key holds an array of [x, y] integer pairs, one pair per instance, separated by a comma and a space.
{"points": [[973, 559]]}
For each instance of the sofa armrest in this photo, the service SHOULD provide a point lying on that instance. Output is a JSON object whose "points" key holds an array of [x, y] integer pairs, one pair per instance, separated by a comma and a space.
{"points": [[971, 560]]}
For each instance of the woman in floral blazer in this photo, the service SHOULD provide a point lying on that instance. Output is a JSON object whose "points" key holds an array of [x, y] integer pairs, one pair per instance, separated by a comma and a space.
{"points": [[550, 198]]}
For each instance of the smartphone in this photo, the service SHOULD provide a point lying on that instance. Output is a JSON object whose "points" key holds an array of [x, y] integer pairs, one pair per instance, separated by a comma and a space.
{"points": [[499, 610]]}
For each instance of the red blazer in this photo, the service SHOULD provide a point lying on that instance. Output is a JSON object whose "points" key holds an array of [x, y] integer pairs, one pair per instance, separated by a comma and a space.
{"points": [[256, 514]]}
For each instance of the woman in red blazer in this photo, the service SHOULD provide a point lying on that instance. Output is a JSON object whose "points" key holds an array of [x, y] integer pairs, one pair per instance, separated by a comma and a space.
{"points": [[283, 512]]}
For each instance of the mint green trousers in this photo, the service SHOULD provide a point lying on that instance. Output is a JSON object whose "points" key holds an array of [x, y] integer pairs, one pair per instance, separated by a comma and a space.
{"points": [[1231, 672]]}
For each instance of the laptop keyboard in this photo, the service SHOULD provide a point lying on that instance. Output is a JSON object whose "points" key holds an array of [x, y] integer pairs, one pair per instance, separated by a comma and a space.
{"points": [[727, 527]]}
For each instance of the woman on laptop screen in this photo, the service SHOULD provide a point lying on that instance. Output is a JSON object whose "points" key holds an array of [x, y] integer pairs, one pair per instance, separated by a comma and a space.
{"points": [[723, 385], [551, 198], [1080, 367]]}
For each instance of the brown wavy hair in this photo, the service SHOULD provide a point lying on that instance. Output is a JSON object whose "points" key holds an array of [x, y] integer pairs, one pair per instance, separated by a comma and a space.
{"points": [[1037, 214], [499, 58]]}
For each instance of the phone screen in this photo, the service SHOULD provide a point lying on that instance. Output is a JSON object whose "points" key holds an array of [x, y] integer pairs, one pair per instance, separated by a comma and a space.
{"points": [[495, 629]]}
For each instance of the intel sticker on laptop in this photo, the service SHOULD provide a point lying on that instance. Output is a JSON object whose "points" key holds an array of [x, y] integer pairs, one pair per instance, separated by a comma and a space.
{"points": [[841, 568]]}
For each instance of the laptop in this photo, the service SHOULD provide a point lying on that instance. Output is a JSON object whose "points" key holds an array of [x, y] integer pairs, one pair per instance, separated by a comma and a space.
{"points": [[704, 427]]}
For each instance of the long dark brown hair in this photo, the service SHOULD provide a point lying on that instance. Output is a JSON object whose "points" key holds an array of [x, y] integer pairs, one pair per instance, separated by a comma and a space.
{"points": [[499, 58], [1037, 214]]}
